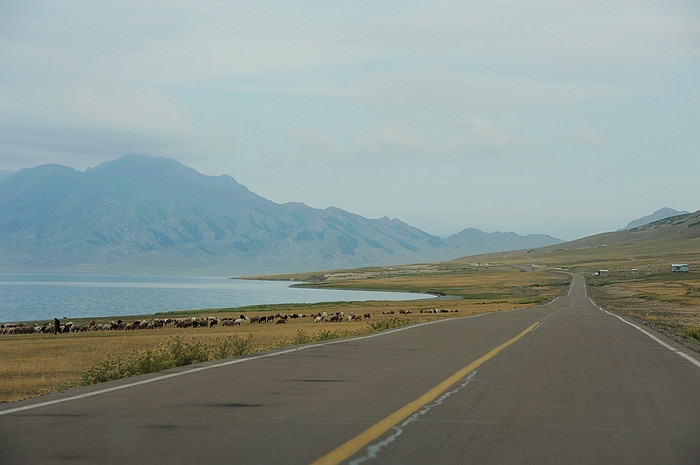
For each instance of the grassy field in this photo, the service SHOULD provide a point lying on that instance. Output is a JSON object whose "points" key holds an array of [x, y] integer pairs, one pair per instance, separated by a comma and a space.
{"points": [[667, 301]]}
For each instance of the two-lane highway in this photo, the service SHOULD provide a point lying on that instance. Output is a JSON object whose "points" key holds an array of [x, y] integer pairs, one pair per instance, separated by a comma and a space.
{"points": [[560, 383]]}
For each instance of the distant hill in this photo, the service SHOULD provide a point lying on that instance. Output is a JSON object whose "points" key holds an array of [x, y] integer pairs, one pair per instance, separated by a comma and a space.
{"points": [[144, 213], [650, 247], [474, 241], [674, 228], [656, 216]]}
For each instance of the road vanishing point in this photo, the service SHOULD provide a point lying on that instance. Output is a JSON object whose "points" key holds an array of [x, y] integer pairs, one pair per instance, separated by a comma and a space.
{"points": [[562, 383]]}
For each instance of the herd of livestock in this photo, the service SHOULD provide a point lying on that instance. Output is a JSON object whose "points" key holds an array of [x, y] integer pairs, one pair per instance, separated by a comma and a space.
{"points": [[58, 327]]}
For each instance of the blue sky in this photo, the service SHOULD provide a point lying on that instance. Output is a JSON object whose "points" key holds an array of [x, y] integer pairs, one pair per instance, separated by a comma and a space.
{"points": [[564, 118]]}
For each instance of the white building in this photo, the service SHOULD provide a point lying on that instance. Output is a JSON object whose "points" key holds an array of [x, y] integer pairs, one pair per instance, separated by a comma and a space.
{"points": [[679, 268]]}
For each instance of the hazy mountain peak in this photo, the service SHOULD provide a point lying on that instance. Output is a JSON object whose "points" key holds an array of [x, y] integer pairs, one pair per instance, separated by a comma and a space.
{"points": [[137, 167], [660, 214], [142, 211]]}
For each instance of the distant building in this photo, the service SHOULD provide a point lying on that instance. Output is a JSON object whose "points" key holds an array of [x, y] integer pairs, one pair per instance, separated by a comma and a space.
{"points": [[679, 268], [602, 272]]}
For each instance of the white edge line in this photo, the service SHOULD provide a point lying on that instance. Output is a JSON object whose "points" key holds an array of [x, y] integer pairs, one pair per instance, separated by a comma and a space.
{"points": [[690, 358], [218, 365]]}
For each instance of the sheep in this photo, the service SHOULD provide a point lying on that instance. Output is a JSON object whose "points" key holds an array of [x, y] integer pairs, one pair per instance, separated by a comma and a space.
{"points": [[184, 324]]}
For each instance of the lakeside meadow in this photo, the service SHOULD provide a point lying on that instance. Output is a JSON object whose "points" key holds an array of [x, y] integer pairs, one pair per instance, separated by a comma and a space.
{"points": [[37, 364]]}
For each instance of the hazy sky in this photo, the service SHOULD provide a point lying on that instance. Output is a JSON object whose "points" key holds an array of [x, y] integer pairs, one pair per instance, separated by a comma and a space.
{"points": [[544, 116]]}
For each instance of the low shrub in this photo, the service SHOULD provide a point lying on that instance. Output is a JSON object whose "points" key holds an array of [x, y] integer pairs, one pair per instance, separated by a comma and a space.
{"points": [[174, 353], [394, 322], [232, 346], [327, 335], [301, 338]]}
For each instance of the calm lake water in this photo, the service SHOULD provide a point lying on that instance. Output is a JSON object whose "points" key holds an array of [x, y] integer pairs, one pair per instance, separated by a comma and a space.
{"points": [[38, 297]]}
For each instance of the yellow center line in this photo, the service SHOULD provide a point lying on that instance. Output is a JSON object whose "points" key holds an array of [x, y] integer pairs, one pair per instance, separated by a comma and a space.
{"points": [[361, 440]]}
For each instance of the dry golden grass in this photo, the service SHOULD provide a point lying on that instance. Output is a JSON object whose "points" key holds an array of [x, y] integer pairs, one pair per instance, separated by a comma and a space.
{"points": [[668, 301], [469, 280]]}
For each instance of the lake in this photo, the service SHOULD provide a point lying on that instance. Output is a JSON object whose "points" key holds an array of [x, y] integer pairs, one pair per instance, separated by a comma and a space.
{"points": [[39, 297]]}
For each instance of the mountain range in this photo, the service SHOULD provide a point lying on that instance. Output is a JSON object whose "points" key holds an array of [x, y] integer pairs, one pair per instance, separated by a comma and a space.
{"points": [[146, 213]]}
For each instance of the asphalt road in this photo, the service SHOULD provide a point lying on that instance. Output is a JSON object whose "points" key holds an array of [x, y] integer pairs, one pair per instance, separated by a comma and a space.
{"points": [[563, 383]]}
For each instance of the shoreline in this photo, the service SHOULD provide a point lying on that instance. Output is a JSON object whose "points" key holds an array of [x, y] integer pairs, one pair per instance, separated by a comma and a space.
{"points": [[37, 298]]}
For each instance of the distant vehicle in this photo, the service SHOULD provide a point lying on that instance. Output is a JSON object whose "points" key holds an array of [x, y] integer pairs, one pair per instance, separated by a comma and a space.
{"points": [[680, 268]]}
